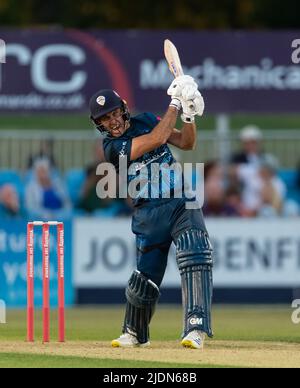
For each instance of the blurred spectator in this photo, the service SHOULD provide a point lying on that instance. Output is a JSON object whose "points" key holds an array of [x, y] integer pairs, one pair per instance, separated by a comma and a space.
{"points": [[263, 192], [10, 204], [291, 208], [233, 198], [45, 152], [272, 188], [215, 204], [89, 200], [99, 151], [251, 147], [46, 197]]}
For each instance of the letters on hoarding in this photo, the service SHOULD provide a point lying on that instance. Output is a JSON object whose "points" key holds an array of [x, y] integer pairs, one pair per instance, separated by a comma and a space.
{"points": [[252, 253], [58, 70]]}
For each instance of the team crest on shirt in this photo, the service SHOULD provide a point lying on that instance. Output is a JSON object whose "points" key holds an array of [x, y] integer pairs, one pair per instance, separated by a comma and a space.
{"points": [[101, 100]]}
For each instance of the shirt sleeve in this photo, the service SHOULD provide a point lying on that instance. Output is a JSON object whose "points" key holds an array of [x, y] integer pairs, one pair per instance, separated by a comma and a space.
{"points": [[117, 149], [152, 119]]}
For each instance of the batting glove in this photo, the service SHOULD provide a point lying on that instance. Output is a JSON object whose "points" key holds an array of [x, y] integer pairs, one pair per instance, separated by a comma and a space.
{"points": [[179, 84], [192, 108]]}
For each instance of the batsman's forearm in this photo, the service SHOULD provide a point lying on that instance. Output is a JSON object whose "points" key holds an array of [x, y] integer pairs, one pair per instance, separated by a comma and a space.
{"points": [[159, 135], [164, 128], [189, 135]]}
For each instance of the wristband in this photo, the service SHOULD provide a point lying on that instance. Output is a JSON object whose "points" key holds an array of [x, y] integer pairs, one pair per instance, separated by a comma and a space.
{"points": [[175, 102]]}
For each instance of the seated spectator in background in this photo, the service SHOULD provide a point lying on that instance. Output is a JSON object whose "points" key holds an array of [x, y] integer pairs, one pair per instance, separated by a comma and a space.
{"points": [[249, 181], [249, 171], [272, 188], [10, 205], [263, 192], [46, 197], [273, 193], [251, 147], [92, 204], [45, 152], [89, 200], [215, 204], [233, 198]]}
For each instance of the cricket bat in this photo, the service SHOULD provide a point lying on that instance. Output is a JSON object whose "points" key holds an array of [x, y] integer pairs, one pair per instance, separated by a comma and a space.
{"points": [[173, 60]]}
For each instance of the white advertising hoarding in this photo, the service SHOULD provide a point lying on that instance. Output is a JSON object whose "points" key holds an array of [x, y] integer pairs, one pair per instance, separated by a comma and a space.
{"points": [[247, 253]]}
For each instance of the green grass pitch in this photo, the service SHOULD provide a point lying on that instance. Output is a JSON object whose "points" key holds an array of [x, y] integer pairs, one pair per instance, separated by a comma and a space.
{"points": [[245, 336]]}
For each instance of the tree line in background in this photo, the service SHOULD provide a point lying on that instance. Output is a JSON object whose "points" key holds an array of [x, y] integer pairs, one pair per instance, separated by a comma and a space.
{"points": [[185, 14]]}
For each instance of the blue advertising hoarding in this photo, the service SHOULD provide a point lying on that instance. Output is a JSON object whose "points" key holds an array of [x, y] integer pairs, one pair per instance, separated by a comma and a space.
{"points": [[13, 265]]}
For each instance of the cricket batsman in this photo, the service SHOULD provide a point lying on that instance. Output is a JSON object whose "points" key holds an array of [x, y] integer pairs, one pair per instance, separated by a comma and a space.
{"points": [[158, 221]]}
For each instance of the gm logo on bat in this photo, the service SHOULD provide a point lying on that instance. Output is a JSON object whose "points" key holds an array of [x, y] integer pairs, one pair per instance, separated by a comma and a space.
{"points": [[296, 52], [2, 51], [2, 311]]}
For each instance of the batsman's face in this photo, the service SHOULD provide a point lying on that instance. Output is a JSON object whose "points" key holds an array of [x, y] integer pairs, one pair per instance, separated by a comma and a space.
{"points": [[114, 122]]}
